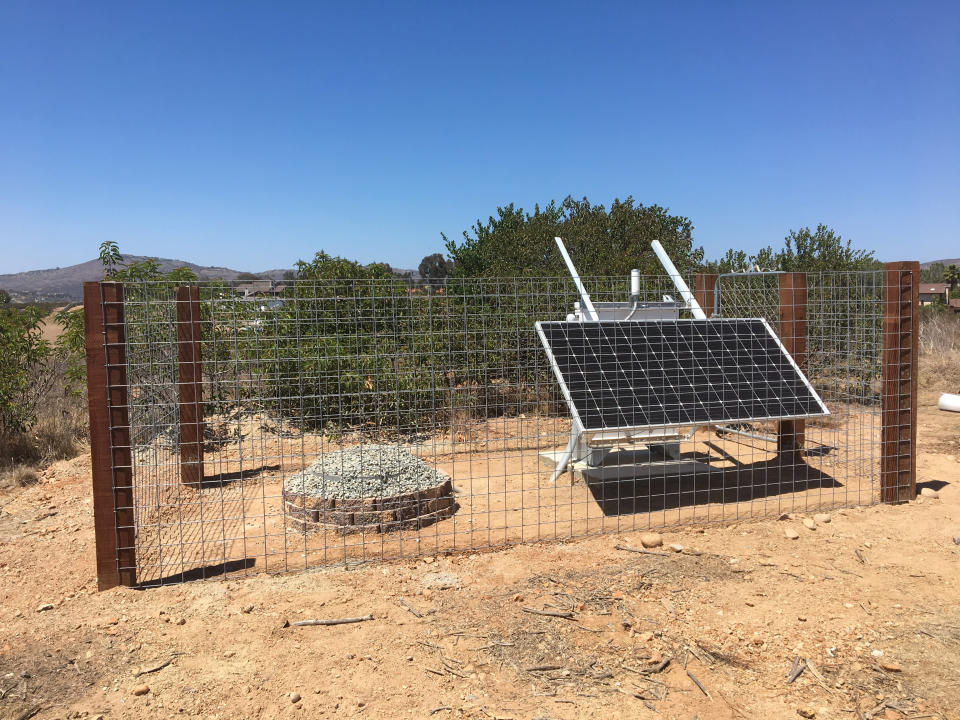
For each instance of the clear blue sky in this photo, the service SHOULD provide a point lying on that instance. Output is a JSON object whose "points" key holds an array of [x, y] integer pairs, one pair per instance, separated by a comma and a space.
{"points": [[251, 134]]}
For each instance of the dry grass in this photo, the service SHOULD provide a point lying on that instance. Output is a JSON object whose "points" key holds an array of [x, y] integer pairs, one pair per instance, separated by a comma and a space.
{"points": [[940, 351], [57, 434]]}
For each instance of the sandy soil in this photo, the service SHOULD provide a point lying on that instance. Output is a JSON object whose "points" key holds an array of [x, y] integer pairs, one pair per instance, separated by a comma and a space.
{"points": [[869, 599]]}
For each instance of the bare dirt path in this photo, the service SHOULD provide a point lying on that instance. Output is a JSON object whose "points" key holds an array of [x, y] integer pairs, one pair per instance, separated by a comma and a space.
{"points": [[870, 599]]}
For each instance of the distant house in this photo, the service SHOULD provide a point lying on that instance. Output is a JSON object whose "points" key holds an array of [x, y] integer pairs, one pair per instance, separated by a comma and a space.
{"points": [[934, 292], [259, 288]]}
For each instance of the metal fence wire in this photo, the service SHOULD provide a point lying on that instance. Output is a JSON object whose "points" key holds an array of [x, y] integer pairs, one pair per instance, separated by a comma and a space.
{"points": [[347, 420]]}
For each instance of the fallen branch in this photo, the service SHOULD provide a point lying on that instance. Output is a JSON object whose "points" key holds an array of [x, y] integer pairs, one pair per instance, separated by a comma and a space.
{"points": [[642, 551], [158, 666], [698, 684], [796, 671], [550, 613], [29, 713], [440, 709], [544, 668], [335, 621], [413, 610]]}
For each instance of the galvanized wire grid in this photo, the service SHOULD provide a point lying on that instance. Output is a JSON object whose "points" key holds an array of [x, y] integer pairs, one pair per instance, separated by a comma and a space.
{"points": [[448, 394]]}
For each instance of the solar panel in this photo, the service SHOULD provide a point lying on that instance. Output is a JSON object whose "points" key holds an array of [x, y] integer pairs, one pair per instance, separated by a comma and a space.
{"points": [[663, 373]]}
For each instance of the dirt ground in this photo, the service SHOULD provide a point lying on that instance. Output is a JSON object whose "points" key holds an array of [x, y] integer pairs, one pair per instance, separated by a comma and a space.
{"points": [[865, 605]]}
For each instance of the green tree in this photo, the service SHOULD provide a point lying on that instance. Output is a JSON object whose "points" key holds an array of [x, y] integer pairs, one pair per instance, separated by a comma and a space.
{"points": [[951, 276], [804, 250], [602, 241], [435, 269], [4, 297], [247, 276], [22, 351]]}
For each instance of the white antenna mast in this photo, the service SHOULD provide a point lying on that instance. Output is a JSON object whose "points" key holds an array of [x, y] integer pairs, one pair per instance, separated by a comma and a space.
{"points": [[678, 282], [589, 311]]}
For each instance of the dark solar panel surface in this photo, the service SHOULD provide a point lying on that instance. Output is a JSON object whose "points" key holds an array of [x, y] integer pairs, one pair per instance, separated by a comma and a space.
{"points": [[623, 374]]}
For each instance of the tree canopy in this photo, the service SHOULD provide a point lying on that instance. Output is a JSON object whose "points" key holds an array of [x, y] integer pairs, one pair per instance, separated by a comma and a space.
{"points": [[601, 241], [803, 250]]}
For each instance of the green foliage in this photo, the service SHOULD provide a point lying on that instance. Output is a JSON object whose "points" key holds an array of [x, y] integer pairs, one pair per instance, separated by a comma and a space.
{"points": [[435, 269], [804, 250], [951, 276], [22, 351], [603, 242], [933, 273], [71, 343], [4, 297], [247, 276]]}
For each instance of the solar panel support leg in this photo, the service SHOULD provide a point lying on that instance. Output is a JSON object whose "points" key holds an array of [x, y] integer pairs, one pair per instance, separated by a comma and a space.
{"points": [[572, 446]]}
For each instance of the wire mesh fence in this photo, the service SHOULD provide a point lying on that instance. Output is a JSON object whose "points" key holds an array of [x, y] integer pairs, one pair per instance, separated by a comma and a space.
{"points": [[344, 420]]}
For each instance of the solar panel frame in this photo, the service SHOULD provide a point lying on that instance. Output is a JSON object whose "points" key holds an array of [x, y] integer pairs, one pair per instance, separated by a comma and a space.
{"points": [[678, 422]]}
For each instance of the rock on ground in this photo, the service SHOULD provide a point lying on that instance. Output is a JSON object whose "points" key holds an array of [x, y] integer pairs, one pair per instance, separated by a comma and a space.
{"points": [[365, 471], [651, 539]]}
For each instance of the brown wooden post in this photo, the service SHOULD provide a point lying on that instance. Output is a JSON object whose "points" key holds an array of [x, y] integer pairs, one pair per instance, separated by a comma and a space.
{"points": [[112, 469], [703, 290], [190, 381], [898, 441], [793, 335]]}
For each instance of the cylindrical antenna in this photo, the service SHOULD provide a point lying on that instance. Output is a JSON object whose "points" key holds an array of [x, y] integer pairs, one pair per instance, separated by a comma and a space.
{"points": [[678, 282]]}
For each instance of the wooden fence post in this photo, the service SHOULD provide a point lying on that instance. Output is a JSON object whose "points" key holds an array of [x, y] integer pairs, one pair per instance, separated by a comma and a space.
{"points": [[110, 454], [703, 291], [190, 382], [898, 442], [793, 335]]}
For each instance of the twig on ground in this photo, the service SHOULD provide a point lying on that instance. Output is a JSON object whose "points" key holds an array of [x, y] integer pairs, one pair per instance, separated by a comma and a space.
{"points": [[642, 551], [334, 621], [550, 613], [435, 672], [28, 713], [860, 557], [440, 709], [544, 668], [698, 684], [796, 671], [413, 610], [158, 666]]}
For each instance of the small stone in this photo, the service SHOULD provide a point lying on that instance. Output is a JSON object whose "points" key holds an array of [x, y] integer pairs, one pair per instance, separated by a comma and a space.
{"points": [[676, 547], [440, 581], [229, 654], [890, 666], [651, 539], [294, 698], [929, 492], [247, 609], [806, 713], [141, 690], [891, 714], [182, 621], [809, 524], [822, 518], [645, 636], [791, 534], [44, 607], [427, 594]]}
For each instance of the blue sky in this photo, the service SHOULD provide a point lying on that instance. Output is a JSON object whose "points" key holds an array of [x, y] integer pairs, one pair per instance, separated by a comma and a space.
{"points": [[253, 134]]}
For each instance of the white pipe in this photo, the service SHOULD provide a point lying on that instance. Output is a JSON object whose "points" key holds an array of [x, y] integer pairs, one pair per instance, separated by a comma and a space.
{"points": [[678, 282], [949, 402], [635, 282], [591, 312]]}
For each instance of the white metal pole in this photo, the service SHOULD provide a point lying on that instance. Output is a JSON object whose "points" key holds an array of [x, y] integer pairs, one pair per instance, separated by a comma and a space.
{"points": [[678, 282], [587, 304]]}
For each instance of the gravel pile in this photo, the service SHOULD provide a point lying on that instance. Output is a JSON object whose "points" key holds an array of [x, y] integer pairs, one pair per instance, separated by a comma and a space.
{"points": [[365, 471]]}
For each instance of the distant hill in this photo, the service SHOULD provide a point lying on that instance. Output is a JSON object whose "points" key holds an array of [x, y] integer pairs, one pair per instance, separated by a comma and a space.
{"points": [[949, 261], [65, 284]]}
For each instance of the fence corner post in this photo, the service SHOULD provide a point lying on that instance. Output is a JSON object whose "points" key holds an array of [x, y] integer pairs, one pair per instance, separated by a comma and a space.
{"points": [[900, 355], [703, 290], [190, 385], [110, 452], [793, 335]]}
